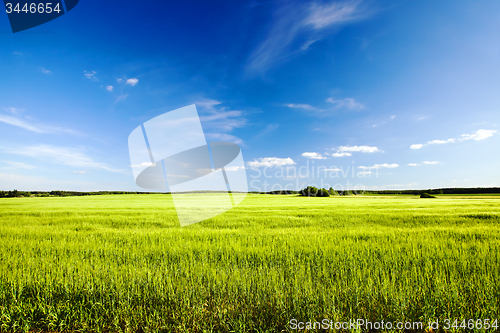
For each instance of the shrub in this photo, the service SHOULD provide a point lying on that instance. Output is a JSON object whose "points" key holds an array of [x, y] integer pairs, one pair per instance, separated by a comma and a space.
{"points": [[426, 195]]}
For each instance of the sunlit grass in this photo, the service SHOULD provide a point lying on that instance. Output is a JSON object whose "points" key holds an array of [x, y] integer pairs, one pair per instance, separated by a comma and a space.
{"points": [[122, 263]]}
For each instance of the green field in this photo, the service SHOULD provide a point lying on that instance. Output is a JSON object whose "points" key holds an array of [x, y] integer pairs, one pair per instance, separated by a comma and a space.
{"points": [[121, 263]]}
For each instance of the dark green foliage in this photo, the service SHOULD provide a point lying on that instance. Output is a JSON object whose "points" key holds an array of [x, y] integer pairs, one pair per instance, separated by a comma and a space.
{"points": [[426, 195], [332, 191], [312, 191]]}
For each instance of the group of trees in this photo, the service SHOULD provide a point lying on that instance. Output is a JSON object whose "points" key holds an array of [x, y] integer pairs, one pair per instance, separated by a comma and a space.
{"points": [[18, 194]]}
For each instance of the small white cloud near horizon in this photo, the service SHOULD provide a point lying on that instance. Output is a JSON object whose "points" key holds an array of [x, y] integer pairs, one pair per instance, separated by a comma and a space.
{"points": [[313, 156], [81, 172], [270, 162], [337, 154], [481, 134], [414, 164], [478, 135], [109, 88], [379, 166], [46, 71], [361, 149], [132, 81], [431, 162]]}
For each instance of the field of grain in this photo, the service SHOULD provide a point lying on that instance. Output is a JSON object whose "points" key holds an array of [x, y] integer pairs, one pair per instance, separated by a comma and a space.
{"points": [[121, 263]]}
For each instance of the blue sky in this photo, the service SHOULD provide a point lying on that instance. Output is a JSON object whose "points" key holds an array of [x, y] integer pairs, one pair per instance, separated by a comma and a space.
{"points": [[383, 94]]}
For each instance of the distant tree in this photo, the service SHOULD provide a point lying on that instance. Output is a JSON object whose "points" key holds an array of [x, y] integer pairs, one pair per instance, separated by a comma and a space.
{"points": [[426, 195], [332, 191], [312, 191]]}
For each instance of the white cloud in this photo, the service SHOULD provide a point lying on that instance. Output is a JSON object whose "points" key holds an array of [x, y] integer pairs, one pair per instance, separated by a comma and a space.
{"points": [[478, 135], [17, 53], [431, 162], [143, 164], [60, 155], [91, 75], [348, 103], [81, 172], [109, 88], [37, 128], [364, 173], [379, 166], [119, 80], [314, 156], [393, 117], [414, 164], [440, 142], [270, 162], [361, 149], [332, 170], [132, 81], [295, 27], [341, 154], [46, 71]]}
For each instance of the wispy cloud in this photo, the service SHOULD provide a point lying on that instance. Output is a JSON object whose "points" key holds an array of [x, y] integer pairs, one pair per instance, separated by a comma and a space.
{"points": [[296, 27], [338, 104], [30, 126], [132, 81], [121, 97], [313, 156], [224, 137], [91, 75], [81, 172], [60, 155], [270, 162], [109, 88], [348, 103], [380, 166], [303, 106], [481, 134], [18, 53], [219, 118], [18, 165], [45, 71], [14, 110], [431, 162], [414, 164]]}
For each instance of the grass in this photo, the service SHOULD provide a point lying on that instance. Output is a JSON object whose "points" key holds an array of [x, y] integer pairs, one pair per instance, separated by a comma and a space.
{"points": [[122, 264]]}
